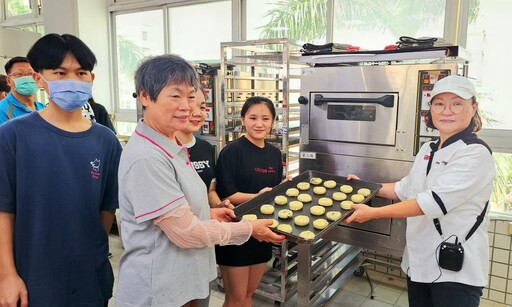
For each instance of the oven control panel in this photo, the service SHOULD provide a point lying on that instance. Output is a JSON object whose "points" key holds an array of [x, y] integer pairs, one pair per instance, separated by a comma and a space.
{"points": [[427, 79], [207, 82]]}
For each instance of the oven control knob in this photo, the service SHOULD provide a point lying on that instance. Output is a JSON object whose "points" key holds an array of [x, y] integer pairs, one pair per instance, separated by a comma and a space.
{"points": [[303, 100]]}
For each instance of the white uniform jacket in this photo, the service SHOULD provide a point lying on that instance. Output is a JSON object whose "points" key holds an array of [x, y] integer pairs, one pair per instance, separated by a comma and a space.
{"points": [[455, 190]]}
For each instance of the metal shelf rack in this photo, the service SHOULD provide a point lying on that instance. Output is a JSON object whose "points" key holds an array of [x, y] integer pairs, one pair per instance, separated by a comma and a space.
{"points": [[268, 68]]}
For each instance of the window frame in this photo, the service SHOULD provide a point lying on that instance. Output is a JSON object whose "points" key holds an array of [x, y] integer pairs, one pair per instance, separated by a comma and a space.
{"points": [[455, 30], [35, 5], [127, 115]]}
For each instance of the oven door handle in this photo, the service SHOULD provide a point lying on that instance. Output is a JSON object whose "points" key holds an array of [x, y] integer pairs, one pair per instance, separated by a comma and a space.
{"points": [[387, 101]]}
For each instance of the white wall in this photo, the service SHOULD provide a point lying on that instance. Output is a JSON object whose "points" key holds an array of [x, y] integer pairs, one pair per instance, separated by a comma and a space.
{"points": [[87, 19], [14, 43]]}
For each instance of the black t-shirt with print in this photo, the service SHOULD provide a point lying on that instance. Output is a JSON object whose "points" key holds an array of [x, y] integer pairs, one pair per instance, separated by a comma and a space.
{"points": [[202, 156], [245, 167]]}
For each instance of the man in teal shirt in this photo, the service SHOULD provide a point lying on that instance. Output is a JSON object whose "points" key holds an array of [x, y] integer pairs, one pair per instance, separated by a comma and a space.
{"points": [[21, 99]]}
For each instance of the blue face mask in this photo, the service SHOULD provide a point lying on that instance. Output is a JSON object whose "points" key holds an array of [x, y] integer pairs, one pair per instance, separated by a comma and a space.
{"points": [[69, 94], [25, 85]]}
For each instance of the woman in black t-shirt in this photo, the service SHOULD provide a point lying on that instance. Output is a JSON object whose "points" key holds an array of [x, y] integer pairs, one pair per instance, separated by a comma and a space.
{"points": [[246, 168], [202, 153]]}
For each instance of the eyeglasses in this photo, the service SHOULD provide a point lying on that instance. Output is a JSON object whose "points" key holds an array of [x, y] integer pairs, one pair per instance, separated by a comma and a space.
{"points": [[15, 76], [439, 108]]}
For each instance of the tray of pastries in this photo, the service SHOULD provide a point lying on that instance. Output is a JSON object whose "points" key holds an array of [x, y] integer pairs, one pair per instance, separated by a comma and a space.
{"points": [[306, 207]]}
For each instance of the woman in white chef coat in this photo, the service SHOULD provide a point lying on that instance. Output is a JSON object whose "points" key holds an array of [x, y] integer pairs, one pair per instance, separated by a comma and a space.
{"points": [[444, 198]]}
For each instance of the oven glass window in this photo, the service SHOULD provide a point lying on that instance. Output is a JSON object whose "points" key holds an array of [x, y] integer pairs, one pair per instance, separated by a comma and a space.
{"points": [[351, 112]]}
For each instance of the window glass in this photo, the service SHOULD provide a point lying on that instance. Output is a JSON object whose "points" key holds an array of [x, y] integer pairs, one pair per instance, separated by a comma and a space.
{"points": [[18, 7], [373, 25], [208, 25], [137, 35], [489, 63], [302, 21], [501, 199], [125, 128], [33, 28]]}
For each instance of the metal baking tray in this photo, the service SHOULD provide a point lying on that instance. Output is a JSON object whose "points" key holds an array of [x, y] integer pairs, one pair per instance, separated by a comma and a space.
{"points": [[253, 206]]}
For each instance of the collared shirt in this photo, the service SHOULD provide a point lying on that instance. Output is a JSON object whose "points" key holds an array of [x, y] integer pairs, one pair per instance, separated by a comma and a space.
{"points": [[11, 108], [156, 176], [455, 189]]}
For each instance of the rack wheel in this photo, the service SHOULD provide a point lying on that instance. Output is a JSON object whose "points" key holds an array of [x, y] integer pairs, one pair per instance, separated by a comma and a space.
{"points": [[359, 271], [276, 264]]}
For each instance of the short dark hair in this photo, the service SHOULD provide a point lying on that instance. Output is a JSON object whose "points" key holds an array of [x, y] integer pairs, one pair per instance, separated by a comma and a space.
{"points": [[4, 87], [11, 62], [475, 125], [258, 100], [154, 73], [49, 52]]}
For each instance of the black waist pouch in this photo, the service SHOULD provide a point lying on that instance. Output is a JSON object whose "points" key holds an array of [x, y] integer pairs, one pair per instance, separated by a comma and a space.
{"points": [[451, 256]]}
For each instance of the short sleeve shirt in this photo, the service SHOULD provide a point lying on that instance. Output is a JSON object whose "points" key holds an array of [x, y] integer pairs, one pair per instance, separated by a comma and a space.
{"points": [[202, 156], [11, 108], [245, 167], [156, 176], [57, 183]]}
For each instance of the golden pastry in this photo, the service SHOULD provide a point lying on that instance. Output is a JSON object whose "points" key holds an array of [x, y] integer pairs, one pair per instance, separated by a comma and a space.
{"points": [[267, 209], [303, 186], [292, 192], [249, 217], [319, 190], [280, 200], [346, 189], [296, 205], [357, 198], [346, 205], [305, 198], [333, 215], [274, 223], [339, 196], [315, 180], [320, 224], [325, 201], [330, 184], [364, 191], [301, 220], [306, 234], [285, 214], [285, 228], [317, 210]]}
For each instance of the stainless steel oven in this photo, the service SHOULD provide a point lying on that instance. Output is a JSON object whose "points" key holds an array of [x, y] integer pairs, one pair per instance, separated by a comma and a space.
{"points": [[368, 120]]}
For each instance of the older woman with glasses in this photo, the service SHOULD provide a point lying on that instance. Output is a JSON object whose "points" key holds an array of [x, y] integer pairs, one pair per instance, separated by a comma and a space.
{"points": [[445, 200]]}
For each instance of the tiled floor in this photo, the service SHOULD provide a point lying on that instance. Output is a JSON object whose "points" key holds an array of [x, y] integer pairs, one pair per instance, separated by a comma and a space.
{"points": [[388, 290]]}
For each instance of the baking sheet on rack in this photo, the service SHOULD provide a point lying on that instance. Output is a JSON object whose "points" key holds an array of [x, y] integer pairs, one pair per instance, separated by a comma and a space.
{"points": [[253, 206]]}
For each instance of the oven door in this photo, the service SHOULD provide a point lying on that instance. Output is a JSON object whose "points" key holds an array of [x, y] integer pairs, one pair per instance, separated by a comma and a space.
{"points": [[355, 117]]}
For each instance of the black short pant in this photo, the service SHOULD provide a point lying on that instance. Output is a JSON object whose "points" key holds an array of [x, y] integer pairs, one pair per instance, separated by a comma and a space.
{"points": [[452, 294], [250, 253]]}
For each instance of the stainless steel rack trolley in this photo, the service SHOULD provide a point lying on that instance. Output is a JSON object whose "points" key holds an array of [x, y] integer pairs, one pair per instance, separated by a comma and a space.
{"points": [[307, 272]]}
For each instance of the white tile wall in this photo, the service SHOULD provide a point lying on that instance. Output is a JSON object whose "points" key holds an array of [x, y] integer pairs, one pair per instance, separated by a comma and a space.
{"points": [[502, 227], [502, 241], [498, 283], [499, 288], [500, 255], [496, 296], [499, 269]]}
